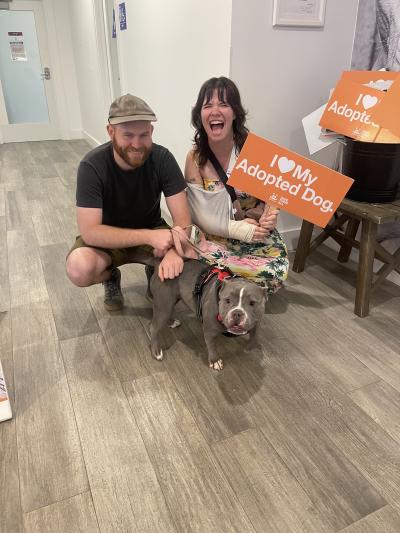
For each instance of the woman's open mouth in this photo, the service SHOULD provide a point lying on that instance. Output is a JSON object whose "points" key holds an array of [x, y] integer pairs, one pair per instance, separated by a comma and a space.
{"points": [[216, 126]]}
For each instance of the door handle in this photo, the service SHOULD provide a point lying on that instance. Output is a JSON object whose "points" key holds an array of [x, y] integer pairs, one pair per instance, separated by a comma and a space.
{"points": [[45, 75]]}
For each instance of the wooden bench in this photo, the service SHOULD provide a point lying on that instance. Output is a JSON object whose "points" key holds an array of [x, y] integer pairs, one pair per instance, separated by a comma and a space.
{"points": [[349, 215]]}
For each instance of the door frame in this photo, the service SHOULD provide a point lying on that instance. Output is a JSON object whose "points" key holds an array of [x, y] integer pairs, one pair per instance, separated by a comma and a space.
{"points": [[108, 58]]}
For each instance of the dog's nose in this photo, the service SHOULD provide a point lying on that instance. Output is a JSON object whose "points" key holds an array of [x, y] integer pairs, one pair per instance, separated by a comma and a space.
{"points": [[237, 315]]}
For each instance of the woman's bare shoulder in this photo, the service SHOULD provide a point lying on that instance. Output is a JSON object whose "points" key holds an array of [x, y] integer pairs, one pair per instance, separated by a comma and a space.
{"points": [[192, 172]]}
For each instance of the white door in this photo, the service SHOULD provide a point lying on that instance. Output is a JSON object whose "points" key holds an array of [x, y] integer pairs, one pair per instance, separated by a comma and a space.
{"points": [[27, 103]]}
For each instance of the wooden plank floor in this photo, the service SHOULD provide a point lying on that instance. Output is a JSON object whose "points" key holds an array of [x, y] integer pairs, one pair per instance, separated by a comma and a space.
{"points": [[302, 435]]}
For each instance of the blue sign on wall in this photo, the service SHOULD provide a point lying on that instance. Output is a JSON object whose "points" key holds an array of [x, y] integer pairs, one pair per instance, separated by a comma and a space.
{"points": [[122, 16]]}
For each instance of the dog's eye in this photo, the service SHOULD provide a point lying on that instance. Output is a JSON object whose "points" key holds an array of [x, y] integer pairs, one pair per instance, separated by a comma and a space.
{"points": [[252, 302], [227, 300]]}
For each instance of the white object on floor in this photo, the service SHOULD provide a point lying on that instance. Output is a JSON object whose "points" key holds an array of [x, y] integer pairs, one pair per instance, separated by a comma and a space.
{"points": [[5, 407]]}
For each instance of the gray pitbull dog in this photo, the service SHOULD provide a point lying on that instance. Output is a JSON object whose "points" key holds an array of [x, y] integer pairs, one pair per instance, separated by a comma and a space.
{"points": [[234, 305]]}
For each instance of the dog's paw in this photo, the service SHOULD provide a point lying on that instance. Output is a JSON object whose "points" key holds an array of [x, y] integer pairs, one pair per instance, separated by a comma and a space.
{"points": [[159, 356], [216, 365], [175, 323]]}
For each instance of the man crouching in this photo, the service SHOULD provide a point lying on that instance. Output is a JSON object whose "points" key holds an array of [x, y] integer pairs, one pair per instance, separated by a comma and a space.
{"points": [[119, 186]]}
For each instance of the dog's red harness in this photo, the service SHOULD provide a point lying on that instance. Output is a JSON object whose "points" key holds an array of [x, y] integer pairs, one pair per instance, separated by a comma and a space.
{"points": [[222, 273], [204, 278]]}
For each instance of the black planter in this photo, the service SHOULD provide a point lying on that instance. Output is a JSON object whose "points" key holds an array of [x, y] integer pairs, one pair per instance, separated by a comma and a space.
{"points": [[375, 167]]}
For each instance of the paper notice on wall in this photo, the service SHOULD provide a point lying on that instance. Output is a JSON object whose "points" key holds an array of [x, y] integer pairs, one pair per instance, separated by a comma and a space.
{"points": [[17, 46], [299, 7]]}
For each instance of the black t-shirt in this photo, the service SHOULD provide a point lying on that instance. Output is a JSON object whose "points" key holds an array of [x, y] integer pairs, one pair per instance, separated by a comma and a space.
{"points": [[128, 198]]}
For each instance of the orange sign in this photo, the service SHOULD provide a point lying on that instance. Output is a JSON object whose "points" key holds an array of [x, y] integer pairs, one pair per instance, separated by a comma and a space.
{"points": [[369, 76], [388, 110], [386, 136], [349, 111], [288, 180]]}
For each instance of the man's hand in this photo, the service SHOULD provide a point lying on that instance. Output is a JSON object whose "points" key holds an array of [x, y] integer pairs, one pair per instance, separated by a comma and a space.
{"points": [[182, 243], [171, 266], [161, 240]]}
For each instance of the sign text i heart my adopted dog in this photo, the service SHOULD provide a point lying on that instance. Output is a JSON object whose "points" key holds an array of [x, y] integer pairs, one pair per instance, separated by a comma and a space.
{"points": [[349, 110], [288, 180]]}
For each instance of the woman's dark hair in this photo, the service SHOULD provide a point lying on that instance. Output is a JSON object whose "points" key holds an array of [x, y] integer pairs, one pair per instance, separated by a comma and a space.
{"points": [[228, 93]]}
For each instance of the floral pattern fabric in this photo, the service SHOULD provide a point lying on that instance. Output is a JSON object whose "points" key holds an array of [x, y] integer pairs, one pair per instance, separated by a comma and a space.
{"points": [[266, 263]]}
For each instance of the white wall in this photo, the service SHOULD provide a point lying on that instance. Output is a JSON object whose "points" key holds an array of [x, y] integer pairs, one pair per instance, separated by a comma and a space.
{"points": [[285, 73], [168, 50], [88, 46]]}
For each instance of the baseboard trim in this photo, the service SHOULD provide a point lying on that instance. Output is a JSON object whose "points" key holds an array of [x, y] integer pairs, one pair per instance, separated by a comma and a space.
{"points": [[91, 140], [72, 135]]}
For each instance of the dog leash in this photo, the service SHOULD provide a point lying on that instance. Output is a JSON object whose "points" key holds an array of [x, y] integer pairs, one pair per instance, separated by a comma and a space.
{"points": [[178, 234]]}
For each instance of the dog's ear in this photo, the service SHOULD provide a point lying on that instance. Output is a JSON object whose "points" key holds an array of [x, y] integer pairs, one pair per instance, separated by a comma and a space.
{"points": [[224, 287], [260, 295], [223, 284], [265, 297], [263, 293]]}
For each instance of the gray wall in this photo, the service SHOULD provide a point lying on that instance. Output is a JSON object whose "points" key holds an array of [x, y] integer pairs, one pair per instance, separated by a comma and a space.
{"points": [[286, 73]]}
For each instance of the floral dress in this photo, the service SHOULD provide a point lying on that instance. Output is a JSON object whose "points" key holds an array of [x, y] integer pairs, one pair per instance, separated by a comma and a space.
{"points": [[266, 263]]}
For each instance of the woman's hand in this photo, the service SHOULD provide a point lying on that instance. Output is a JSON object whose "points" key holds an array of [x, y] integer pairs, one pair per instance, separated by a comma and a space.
{"points": [[269, 218], [260, 233]]}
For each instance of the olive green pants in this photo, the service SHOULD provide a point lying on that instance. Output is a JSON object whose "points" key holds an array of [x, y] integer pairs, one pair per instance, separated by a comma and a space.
{"points": [[121, 256]]}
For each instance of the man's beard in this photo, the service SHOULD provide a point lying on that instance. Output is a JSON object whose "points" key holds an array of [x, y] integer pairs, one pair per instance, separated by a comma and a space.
{"points": [[130, 155]]}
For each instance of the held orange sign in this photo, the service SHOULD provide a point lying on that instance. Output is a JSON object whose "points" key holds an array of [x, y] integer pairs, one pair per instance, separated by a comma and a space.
{"points": [[387, 111], [369, 76], [288, 180], [349, 111]]}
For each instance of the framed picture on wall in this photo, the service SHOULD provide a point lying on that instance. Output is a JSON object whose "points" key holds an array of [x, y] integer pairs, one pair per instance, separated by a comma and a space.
{"points": [[299, 13]]}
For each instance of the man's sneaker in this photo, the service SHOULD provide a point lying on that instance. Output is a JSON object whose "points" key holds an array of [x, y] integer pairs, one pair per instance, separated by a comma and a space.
{"points": [[149, 269], [113, 299]]}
